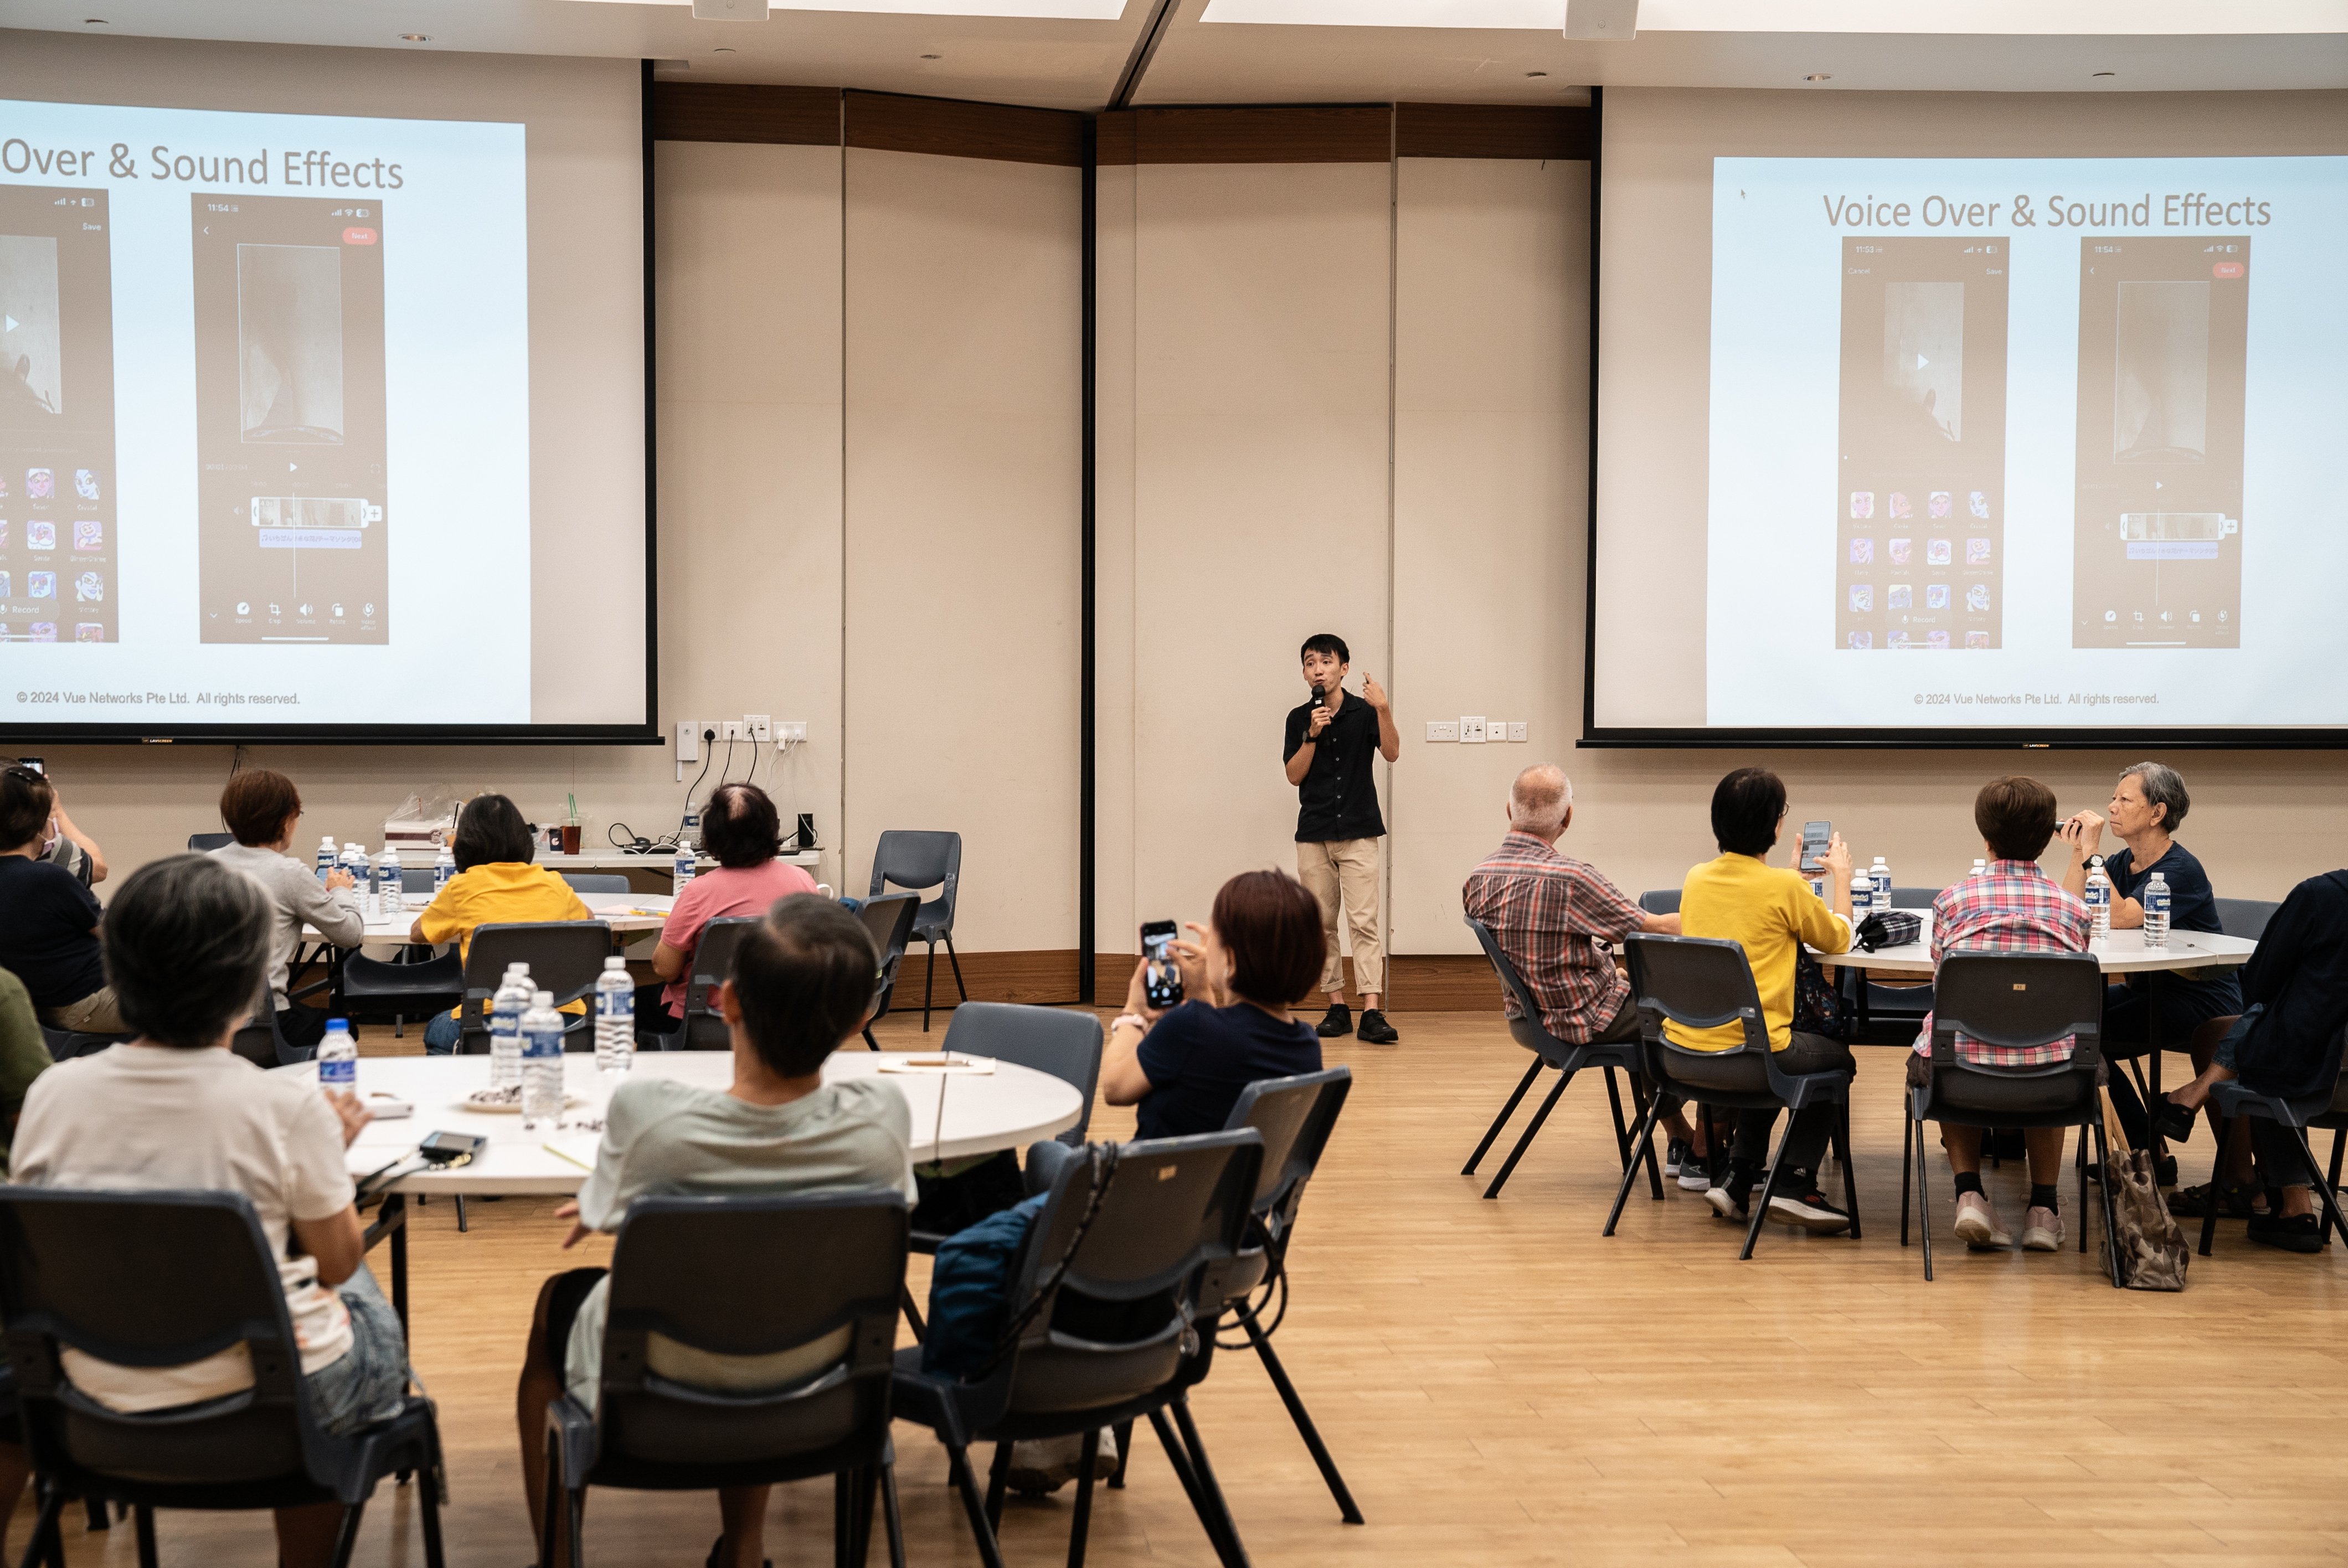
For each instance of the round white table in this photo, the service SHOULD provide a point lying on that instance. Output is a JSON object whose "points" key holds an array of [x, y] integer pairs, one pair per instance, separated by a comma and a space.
{"points": [[2121, 953], [1008, 1108], [628, 914]]}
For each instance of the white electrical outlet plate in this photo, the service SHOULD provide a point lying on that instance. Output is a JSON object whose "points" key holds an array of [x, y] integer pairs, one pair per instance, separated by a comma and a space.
{"points": [[688, 740], [732, 729], [794, 730], [1471, 730], [1442, 729], [762, 728], [1516, 729]]}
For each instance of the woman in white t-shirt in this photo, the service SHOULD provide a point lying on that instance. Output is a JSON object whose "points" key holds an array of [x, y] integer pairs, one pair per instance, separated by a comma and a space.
{"points": [[187, 951]]}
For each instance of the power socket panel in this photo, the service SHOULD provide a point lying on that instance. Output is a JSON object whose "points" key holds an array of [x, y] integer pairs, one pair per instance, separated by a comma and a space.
{"points": [[732, 729], [793, 730], [1442, 729], [762, 727], [1516, 730], [1472, 729]]}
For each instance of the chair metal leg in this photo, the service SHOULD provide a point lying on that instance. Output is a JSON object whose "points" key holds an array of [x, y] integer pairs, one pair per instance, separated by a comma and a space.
{"points": [[1768, 1185], [45, 1528], [998, 1478], [929, 980], [1654, 1166], [953, 959], [464, 1222], [549, 1500], [1906, 1166], [1644, 1135], [1227, 1552], [1531, 1129], [427, 1498], [2323, 1189], [1210, 1491], [1622, 1134], [1084, 1513], [347, 1538], [142, 1519], [1124, 1455], [2111, 1216], [2217, 1174], [870, 1043], [2339, 1146], [891, 1519], [1304, 1420], [974, 1507], [2083, 1188], [95, 1508], [912, 1313], [1923, 1202], [1842, 1158], [1502, 1121], [843, 1529]]}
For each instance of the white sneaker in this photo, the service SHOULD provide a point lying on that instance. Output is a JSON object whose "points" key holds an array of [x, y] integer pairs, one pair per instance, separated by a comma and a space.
{"points": [[1977, 1224], [2042, 1231], [1046, 1464]]}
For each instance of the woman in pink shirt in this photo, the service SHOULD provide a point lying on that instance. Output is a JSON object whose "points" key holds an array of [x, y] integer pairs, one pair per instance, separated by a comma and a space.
{"points": [[741, 827]]}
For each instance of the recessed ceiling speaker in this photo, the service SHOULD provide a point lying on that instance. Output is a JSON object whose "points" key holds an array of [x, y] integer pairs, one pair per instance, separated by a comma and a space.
{"points": [[1599, 20], [729, 10]]}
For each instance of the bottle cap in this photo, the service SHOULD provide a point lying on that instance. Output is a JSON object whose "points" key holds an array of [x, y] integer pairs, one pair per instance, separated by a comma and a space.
{"points": [[517, 968], [338, 1025], [328, 839], [616, 962], [542, 999]]}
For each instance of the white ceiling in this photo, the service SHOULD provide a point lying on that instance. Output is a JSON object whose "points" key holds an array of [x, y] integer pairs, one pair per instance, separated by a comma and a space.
{"points": [[1067, 63]]}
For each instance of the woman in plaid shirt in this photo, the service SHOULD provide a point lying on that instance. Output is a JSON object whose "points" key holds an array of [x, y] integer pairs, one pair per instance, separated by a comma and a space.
{"points": [[2010, 907]]}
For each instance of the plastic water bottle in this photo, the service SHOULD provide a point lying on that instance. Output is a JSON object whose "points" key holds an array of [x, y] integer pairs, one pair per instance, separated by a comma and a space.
{"points": [[683, 870], [384, 882], [2155, 911], [443, 866], [353, 859], [1881, 874], [2099, 899], [1862, 896], [1979, 866], [325, 859], [510, 1001], [541, 1063], [615, 1017], [338, 1057]]}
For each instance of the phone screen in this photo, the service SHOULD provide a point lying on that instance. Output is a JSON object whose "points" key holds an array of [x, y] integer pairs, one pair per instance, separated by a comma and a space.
{"points": [[1162, 982], [1815, 837], [34, 764]]}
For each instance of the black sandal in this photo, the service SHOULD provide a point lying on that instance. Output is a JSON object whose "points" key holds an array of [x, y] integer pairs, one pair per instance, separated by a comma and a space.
{"points": [[2172, 1120], [718, 1545]]}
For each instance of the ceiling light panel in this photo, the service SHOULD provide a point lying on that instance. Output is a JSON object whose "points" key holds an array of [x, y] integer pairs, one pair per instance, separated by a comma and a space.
{"points": [[2078, 17], [1051, 10]]}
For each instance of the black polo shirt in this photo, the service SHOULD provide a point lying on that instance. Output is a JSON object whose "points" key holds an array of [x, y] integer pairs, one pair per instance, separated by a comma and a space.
{"points": [[1338, 800]]}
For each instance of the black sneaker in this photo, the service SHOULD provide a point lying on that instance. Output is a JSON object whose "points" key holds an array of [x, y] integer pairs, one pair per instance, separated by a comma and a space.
{"points": [[1337, 1020], [1374, 1030], [2299, 1233], [1801, 1203], [1731, 1193], [1675, 1156]]}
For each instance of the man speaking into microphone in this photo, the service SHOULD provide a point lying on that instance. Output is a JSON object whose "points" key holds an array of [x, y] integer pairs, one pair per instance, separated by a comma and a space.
{"points": [[1332, 736]]}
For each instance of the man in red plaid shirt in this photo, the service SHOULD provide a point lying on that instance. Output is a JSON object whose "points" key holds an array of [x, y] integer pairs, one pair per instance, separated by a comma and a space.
{"points": [[2011, 907], [1549, 913]]}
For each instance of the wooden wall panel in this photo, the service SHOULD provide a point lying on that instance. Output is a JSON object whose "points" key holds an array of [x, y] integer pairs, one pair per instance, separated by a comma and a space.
{"points": [[1491, 130], [950, 128], [726, 111], [1345, 133]]}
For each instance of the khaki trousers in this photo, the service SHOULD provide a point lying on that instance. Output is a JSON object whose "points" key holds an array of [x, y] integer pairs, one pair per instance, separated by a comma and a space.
{"points": [[93, 1014], [1346, 873]]}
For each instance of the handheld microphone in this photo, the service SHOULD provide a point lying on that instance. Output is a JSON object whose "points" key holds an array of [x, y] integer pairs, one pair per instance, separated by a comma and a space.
{"points": [[1320, 696]]}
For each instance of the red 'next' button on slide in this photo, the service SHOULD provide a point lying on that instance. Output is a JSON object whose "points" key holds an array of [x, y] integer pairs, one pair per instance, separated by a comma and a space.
{"points": [[2228, 270], [366, 236]]}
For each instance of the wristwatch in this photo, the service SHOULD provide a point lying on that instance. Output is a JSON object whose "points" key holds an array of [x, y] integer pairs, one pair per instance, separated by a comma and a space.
{"points": [[1134, 1019]]}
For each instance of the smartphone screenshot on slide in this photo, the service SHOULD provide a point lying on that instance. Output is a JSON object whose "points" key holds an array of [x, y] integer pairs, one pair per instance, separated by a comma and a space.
{"points": [[290, 435], [2164, 326], [57, 577], [1920, 552]]}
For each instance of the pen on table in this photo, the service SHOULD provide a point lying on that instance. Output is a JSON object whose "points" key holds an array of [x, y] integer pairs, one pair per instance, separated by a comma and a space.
{"points": [[573, 1159]]}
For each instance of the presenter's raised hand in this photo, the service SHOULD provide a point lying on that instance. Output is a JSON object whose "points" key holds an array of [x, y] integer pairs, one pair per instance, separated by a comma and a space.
{"points": [[1373, 694]]}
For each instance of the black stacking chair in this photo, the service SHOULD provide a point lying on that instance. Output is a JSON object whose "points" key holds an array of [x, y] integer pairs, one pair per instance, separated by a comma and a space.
{"points": [[1894, 1007], [2245, 916], [597, 881], [2011, 999], [1110, 1319], [81, 1270], [1700, 983], [65, 1044], [2326, 1109], [205, 843], [918, 861], [1660, 901], [712, 962], [889, 921], [1551, 1051], [565, 956], [744, 1276]]}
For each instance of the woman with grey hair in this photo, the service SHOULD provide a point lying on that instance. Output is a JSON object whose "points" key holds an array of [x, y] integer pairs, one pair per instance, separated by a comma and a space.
{"points": [[2147, 805]]}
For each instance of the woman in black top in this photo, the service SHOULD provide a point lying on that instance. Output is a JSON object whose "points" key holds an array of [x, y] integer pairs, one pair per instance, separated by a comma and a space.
{"points": [[48, 921]]}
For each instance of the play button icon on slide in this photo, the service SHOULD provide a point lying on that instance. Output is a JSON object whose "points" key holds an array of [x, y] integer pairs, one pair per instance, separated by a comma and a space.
{"points": [[12, 323], [1921, 362]]}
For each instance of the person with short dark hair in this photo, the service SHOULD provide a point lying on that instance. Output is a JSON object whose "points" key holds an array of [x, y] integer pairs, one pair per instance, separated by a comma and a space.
{"points": [[262, 811], [497, 882], [1771, 913], [188, 944], [48, 919], [1255, 958], [1332, 739], [740, 827], [2149, 803], [801, 988], [2008, 907]]}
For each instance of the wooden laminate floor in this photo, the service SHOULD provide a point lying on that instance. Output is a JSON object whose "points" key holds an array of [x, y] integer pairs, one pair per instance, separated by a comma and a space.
{"points": [[1503, 1386]]}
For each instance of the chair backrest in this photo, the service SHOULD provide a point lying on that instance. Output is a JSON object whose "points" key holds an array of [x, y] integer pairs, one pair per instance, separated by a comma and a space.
{"points": [[2245, 917], [1698, 982], [1294, 1117], [2016, 1001], [889, 921], [1526, 1029], [1913, 897], [712, 963], [754, 1277], [564, 957], [1174, 1209], [1063, 1042], [918, 860], [417, 878], [205, 843], [150, 1279], [597, 881], [1660, 901]]}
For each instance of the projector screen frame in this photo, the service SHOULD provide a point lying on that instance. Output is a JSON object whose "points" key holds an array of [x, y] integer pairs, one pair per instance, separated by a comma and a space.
{"points": [[1595, 736], [646, 732]]}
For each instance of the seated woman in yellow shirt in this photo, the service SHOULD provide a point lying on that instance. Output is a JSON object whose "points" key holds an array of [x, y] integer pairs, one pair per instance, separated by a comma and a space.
{"points": [[496, 882], [1770, 912]]}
